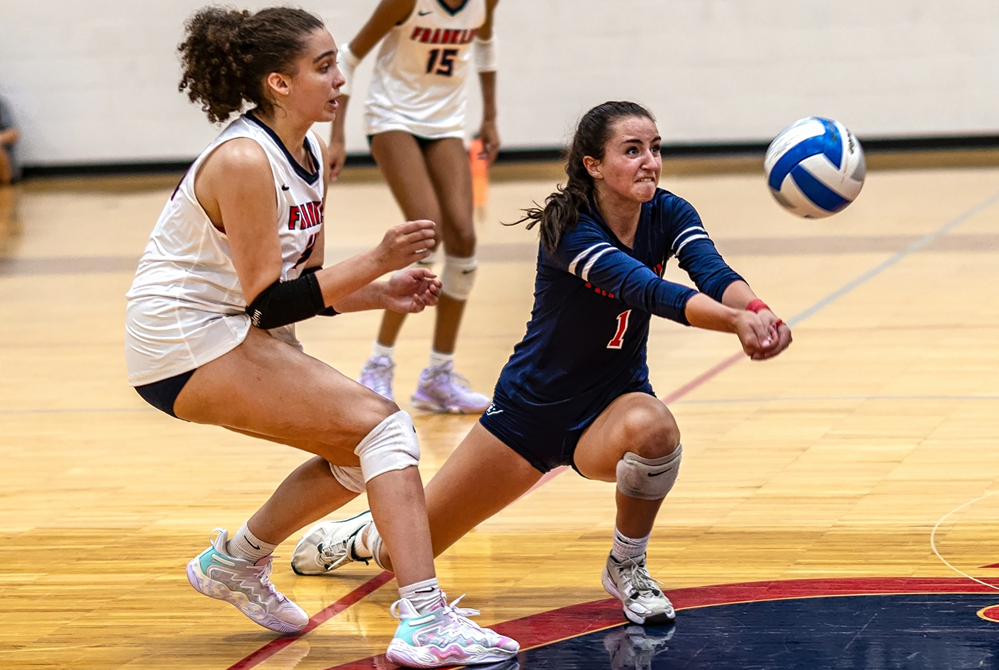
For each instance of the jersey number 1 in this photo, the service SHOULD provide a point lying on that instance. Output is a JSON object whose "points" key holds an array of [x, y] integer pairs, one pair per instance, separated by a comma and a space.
{"points": [[622, 326], [445, 66]]}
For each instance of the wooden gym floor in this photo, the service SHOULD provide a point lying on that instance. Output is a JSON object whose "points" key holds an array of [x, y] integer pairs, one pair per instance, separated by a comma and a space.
{"points": [[827, 470]]}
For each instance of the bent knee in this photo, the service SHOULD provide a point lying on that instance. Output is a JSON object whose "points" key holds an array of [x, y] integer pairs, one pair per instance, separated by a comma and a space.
{"points": [[651, 431]]}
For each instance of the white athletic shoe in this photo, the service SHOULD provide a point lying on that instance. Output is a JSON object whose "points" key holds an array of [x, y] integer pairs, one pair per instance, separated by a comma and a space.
{"points": [[629, 581], [445, 636], [377, 375], [441, 389], [634, 647], [329, 545], [244, 584]]}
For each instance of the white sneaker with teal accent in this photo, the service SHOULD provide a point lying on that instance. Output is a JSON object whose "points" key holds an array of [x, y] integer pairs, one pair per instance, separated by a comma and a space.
{"points": [[244, 584], [329, 545], [444, 637], [629, 581]]}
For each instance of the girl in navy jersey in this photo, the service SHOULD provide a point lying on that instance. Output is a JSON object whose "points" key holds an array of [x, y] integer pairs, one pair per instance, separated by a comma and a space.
{"points": [[233, 262], [414, 118], [576, 389]]}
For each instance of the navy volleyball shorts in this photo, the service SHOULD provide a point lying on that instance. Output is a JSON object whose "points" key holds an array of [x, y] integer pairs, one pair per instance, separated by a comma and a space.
{"points": [[163, 394], [544, 437]]}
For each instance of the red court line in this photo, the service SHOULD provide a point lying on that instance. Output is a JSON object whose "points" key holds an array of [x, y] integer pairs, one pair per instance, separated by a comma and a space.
{"points": [[548, 627], [322, 617], [316, 620]]}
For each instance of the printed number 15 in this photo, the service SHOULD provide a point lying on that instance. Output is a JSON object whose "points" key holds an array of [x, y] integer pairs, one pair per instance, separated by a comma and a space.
{"points": [[443, 60]]}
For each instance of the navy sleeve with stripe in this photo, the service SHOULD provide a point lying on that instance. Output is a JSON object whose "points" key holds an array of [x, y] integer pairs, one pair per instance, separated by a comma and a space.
{"points": [[694, 249], [588, 252]]}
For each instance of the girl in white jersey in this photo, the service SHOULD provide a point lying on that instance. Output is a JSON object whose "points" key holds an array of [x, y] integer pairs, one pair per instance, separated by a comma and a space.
{"points": [[234, 261], [415, 122]]}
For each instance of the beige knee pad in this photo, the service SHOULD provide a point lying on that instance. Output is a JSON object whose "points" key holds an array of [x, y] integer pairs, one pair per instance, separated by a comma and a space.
{"points": [[648, 478]]}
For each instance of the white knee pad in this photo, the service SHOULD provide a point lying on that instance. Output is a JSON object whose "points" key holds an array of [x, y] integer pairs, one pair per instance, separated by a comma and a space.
{"points": [[458, 276], [648, 478], [391, 445], [349, 476]]}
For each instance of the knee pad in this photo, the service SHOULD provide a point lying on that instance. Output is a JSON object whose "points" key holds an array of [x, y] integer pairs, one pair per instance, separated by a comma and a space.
{"points": [[458, 276], [349, 476], [648, 478], [391, 445]]}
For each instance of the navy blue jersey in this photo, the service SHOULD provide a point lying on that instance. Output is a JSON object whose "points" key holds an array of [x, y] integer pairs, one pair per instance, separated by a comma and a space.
{"points": [[593, 299]]}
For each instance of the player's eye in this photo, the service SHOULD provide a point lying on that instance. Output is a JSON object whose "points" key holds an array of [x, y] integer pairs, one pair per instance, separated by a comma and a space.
{"points": [[655, 149]]}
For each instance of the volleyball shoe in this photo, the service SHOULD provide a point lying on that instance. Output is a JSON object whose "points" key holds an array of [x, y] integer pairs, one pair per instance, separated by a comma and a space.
{"points": [[643, 602], [377, 375], [246, 585], [441, 389], [329, 545], [444, 636]]}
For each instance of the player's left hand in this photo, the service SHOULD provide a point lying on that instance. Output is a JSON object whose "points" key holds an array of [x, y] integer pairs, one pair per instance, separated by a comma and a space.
{"points": [[411, 290], [489, 135], [780, 336]]}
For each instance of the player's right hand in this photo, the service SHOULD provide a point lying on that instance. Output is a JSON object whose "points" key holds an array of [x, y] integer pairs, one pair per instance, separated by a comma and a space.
{"points": [[754, 335], [406, 244], [337, 153]]}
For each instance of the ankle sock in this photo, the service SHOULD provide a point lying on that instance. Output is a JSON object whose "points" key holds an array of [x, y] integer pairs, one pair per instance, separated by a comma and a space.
{"points": [[438, 359], [359, 547], [382, 350], [247, 546], [629, 547], [426, 596]]}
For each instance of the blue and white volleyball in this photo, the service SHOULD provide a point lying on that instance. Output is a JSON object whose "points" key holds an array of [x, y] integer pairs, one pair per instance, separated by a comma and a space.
{"points": [[815, 167]]}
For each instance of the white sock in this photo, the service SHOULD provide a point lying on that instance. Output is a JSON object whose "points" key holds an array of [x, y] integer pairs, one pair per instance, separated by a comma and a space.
{"points": [[360, 547], [628, 547], [426, 596], [248, 546], [438, 359], [381, 350]]}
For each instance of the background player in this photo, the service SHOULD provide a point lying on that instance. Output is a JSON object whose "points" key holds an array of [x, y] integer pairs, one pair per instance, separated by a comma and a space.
{"points": [[234, 261], [415, 121], [576, 389]]}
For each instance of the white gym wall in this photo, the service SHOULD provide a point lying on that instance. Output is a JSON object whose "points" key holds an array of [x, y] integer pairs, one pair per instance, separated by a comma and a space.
{"points": [[95, 81]]}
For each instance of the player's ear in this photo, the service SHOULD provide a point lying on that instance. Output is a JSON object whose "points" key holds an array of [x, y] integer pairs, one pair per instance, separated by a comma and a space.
{"points": [[592, 166], [278, 84]]}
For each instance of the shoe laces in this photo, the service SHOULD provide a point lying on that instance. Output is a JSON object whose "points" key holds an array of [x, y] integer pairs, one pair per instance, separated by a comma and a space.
{"points": [[639, 578], [263, 574], [337, 553], [460, 615]]}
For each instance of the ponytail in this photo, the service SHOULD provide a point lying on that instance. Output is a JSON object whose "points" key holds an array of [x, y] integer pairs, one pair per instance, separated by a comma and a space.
{"points": [[563, 208], [228, 53]]}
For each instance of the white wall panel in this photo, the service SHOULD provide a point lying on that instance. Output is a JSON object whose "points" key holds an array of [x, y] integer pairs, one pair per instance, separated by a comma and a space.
{"points": [[96, 80]]}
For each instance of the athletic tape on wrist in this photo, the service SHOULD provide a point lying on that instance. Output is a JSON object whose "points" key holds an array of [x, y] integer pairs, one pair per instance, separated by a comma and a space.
{"points": [[757, 306]]}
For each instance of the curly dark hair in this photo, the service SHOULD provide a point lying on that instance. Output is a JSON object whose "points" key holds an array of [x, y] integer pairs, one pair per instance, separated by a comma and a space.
{"points": [[563, 207], [228, 53]]}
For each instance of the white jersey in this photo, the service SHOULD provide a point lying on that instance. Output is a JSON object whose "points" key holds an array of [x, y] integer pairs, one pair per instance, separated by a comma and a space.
{"points": [[186, 306], [419, 80]]}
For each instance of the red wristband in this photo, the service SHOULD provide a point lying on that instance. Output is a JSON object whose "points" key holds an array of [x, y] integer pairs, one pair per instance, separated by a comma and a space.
{"points": [[756, 306]]}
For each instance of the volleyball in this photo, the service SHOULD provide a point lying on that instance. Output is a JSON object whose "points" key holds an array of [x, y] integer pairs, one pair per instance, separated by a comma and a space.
{"points": [[815, 167]]}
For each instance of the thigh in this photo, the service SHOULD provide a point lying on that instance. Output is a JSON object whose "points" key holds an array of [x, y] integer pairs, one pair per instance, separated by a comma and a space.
{"points": [[447, 162], [480, 478], [636, 422], [272, 390], [401, 161]]}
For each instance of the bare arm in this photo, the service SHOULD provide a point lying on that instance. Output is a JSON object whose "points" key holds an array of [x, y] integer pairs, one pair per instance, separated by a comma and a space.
{"points": [[9, 136], [739, 295], [703, 311], [236, 189], [488, 132], [387, 14]]}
